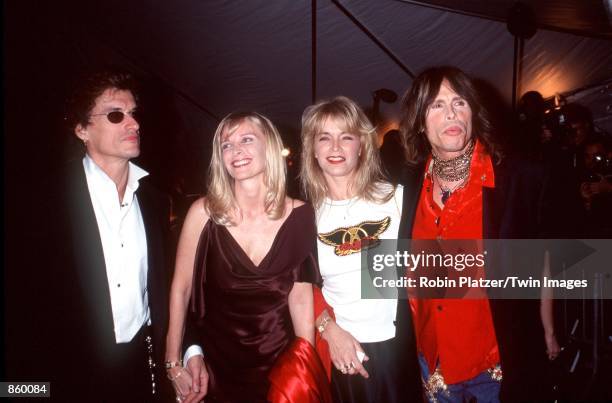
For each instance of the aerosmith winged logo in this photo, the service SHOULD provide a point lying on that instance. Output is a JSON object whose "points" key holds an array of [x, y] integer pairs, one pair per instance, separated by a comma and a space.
{"points": [[348, 240]]}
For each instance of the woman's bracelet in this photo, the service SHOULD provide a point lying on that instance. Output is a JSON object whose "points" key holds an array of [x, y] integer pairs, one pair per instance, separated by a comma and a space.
{"points": [[172, 379], [323, 324], [172, 364]]}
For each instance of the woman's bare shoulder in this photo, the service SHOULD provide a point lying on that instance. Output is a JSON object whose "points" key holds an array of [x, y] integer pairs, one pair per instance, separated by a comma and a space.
{"points": [[197, 214]]}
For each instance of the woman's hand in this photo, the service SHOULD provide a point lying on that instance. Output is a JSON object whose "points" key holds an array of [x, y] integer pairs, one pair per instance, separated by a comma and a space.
{"points": [[343, 348], [181, 382]]}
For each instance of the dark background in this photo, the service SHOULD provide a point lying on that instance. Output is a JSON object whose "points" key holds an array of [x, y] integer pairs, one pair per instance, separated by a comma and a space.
{"points": [[199, 60]]}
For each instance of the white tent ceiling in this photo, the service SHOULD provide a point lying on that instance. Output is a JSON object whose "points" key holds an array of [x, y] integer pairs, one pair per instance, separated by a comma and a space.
{"points": [[219, 56], [227, 55]]}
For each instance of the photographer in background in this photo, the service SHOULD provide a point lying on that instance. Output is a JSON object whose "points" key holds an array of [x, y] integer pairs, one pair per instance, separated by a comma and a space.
{"points": [[596, 188], [530, 121], [584, 162]]}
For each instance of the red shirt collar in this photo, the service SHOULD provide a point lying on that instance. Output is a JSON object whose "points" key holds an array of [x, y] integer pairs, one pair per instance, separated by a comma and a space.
{"points": [[481, 167]]}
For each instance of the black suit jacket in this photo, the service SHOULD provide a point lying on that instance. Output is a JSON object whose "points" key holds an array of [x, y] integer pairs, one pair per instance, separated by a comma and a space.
{"points": [[69, 338], [516, 208]]}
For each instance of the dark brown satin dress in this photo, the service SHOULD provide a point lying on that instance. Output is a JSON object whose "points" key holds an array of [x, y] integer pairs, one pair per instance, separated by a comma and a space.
{"points": [[242, 310]]}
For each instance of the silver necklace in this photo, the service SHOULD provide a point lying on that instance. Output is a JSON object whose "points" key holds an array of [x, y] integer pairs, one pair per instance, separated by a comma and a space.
{"points": [[344, 208]]}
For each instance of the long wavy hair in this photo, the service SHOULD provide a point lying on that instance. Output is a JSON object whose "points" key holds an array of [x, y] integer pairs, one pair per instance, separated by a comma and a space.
{"points": [[351, 119], [221, 197], [423, 92]]}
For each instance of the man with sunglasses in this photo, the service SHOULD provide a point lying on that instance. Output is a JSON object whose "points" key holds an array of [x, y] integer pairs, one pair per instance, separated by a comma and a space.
{"points": [[108, 302]]}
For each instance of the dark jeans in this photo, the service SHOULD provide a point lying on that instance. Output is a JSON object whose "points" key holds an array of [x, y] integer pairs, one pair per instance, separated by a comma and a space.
{"points": [[384, 382]]}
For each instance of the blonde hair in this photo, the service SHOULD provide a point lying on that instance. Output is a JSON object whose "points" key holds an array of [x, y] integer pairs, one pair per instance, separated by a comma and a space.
{"points": [[352, 120], [220, 198]]}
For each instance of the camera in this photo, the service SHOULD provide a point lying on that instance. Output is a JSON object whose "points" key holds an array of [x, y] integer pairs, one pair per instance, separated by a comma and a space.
{"points": [[557, 123], [601, 168]]}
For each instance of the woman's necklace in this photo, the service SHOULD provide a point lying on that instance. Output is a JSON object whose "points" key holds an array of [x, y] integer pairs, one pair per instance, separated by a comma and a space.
{"points": [[339, 207], [346, 209]]}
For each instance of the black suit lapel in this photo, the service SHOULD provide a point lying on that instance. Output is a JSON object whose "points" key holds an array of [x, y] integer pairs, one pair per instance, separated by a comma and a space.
{"points": [[494, 204], [90, 266], [153, 213], [147, 209], [412, 179]]}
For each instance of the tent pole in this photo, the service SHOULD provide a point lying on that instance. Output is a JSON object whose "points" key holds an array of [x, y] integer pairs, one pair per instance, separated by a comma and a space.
{"points": [[521, 23], [515, 71], [313, 41], [519, 74]]}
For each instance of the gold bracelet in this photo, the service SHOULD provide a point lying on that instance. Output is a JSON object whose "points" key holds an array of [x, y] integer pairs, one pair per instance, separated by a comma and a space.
{"points": [[172, 379], [323, 324], [172, 364]]}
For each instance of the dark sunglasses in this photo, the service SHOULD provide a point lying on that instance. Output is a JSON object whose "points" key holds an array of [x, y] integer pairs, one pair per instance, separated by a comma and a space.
{"points": [[116, 116]]}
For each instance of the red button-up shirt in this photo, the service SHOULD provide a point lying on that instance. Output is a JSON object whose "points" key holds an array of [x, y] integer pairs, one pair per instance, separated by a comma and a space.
{"points": [[456, 333]]}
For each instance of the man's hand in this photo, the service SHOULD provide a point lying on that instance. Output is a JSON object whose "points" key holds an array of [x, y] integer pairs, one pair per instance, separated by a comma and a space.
{"points": [[343, 348], [552, 346], [588, 189], [603, 186], [199, 379]]}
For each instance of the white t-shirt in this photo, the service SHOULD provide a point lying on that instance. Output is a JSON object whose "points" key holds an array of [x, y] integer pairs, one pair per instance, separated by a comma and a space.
{"points": [[339, 225]]}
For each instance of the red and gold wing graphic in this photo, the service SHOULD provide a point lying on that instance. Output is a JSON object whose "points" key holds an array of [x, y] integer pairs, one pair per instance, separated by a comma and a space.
{"points": [[376, 228], [348, 240]]}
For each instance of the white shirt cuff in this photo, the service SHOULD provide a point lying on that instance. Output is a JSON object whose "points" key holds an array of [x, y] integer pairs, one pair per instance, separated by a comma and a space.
{"points": [[192, 351]]}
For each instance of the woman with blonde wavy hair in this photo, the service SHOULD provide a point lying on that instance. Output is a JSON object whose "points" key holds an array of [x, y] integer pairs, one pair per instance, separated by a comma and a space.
{"points": [[341, 175], [245, 259]]}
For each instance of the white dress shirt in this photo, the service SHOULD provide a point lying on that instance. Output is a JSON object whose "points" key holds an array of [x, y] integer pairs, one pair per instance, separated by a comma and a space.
{"points": [[124, 243]]}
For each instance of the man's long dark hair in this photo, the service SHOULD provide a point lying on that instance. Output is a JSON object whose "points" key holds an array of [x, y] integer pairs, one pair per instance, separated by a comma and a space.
{"points": [[423, 92]]}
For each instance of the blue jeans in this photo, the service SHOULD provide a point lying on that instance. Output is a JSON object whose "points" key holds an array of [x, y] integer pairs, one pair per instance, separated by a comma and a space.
{"points": [[482, 387]]}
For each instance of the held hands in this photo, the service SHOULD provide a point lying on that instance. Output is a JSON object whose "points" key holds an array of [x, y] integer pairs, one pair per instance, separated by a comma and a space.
{"points": [[344, 350], [190, 383], [199, 377], [181, 381]]}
